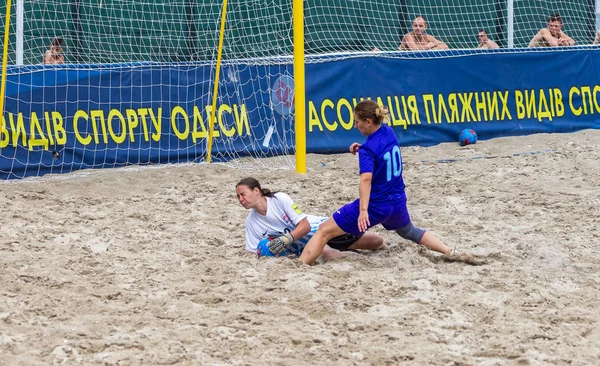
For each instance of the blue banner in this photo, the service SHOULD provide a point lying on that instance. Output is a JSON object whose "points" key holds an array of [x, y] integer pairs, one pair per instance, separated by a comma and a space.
{"points": [[68, 117], [63, 118], [432, 99]]}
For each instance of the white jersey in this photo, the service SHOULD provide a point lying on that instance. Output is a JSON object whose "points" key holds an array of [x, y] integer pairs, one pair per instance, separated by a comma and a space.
{"points": [[283, 215]]}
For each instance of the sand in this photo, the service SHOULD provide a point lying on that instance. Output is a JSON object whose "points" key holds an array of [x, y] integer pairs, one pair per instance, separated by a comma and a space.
{"points": [[146, 266]]}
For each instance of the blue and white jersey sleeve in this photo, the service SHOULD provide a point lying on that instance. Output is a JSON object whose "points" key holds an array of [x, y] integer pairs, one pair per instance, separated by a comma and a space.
{"points": [[291, 211], [299, 244]]}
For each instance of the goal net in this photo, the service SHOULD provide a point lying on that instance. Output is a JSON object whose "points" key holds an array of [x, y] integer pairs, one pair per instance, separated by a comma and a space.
{"points": [[111, 83], [133, 82], [338, 26]]}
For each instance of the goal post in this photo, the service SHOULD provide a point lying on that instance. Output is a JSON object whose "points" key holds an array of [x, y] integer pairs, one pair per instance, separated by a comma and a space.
{"points": [[299, 86], [4, 62], [211, 121]]}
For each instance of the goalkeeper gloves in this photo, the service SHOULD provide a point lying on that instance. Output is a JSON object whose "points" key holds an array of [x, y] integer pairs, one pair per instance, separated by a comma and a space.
{"points": [[280, 244]]}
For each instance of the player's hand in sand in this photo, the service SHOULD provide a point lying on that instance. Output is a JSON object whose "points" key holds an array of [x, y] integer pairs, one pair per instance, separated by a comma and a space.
{"points": [[280, 244], [354, 148]]}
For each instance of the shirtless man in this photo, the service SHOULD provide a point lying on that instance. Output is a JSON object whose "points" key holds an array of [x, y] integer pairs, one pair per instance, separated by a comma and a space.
{"points": [[54, 54], [419, 40], [552, 36], [485, 42]]}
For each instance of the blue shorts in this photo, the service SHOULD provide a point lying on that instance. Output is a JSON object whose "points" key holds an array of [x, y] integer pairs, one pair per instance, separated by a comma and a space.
{"points": [[391, 216]]}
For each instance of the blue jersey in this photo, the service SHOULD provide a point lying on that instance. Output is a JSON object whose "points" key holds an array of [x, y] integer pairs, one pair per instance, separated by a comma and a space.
{"points": [[380, 155]]}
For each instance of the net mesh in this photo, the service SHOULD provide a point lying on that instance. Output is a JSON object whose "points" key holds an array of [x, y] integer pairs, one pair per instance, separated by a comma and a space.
{"points": [[114, 33]]}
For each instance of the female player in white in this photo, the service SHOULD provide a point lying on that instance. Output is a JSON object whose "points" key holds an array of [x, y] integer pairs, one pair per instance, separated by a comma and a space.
{"points": [[275, 216]]}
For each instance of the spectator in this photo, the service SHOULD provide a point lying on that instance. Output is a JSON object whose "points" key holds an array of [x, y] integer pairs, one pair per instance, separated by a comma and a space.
{"points": [[485, 42], [419, 40], [552, 36], [597, 39], [54, 54]]}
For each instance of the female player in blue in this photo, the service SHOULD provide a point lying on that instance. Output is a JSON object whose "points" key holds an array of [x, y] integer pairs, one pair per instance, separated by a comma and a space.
{"points": [[382, 199]]}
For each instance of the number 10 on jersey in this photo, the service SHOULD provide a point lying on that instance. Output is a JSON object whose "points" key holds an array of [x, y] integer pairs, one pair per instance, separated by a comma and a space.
{"points": [[394, 163]]}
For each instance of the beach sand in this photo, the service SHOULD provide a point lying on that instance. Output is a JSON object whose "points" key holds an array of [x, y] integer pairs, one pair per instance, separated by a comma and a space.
{"points": [[147, 266]]}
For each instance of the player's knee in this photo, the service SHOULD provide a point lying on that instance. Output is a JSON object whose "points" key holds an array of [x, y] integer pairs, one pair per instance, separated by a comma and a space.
{"points": [[411, 232], [368, 241], [378, 242]]}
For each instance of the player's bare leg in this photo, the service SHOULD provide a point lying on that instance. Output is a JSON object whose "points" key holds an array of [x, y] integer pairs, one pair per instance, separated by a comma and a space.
{"points": [[369, 241], [327, 231], [331, 253], [432, 242], [452, 255]]}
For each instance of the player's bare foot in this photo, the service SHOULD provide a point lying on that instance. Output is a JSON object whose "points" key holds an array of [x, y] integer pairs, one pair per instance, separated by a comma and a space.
{"points": [[457, 256], [335, 254]]}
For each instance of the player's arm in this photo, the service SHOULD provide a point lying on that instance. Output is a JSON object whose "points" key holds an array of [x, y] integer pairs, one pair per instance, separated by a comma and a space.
{"points": [[364, 193], [280, 244], [301, 229]]}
